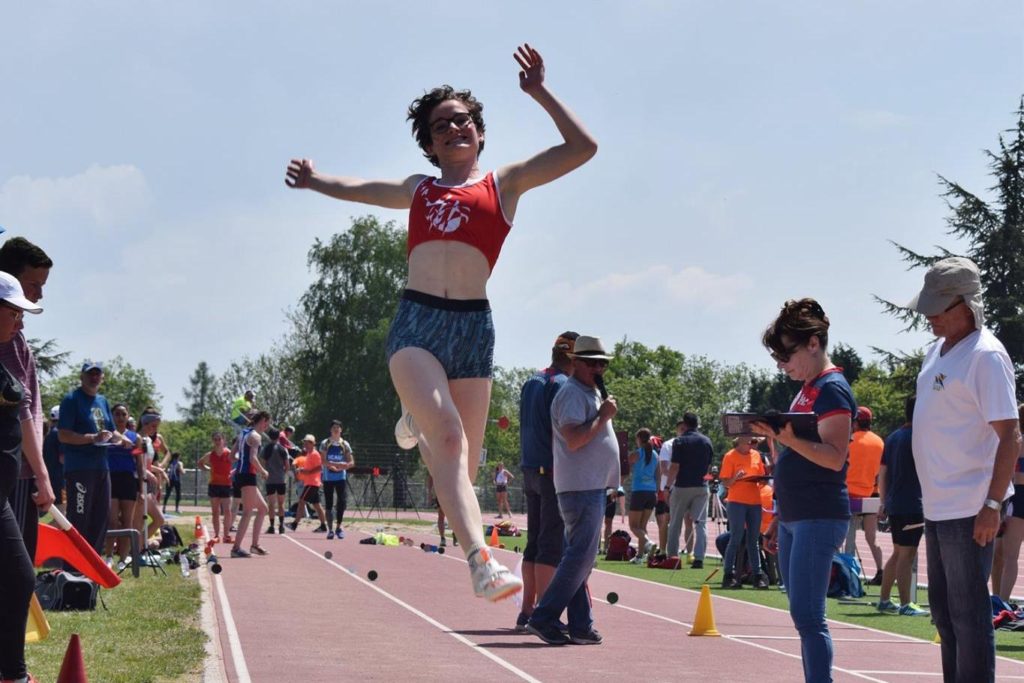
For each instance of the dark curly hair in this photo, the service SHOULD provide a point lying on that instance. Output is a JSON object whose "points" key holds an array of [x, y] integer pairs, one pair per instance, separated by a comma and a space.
{"points": [[798, 321], [421, 108]]}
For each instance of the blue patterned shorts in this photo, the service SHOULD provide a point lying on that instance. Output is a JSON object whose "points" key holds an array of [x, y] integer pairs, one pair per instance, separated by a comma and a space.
{"points": [[458, 332]]}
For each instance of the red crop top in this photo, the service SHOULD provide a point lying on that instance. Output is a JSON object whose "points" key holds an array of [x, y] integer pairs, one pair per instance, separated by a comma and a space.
{"points": [[468, 213]]}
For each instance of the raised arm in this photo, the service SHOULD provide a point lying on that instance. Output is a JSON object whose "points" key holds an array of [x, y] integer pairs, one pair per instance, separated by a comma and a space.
{"points": [[391, 194], [576, 149]]}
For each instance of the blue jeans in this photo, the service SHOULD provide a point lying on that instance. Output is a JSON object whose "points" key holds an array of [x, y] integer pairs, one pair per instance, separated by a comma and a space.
{"points": [[742, 516], [806, 548], [958, 570], [583, 514]]}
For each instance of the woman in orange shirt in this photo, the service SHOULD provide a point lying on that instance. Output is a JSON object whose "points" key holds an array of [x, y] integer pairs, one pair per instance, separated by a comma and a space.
{"points": [[739, 470]]}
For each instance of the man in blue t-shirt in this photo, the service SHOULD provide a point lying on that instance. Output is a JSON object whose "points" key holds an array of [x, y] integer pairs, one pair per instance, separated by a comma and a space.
{"points": [[85, 429], [900, 493], [544, 543], [691, 460]]}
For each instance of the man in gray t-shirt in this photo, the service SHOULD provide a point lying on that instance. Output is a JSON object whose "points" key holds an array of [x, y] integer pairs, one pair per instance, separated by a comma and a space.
{"points": [[586, 462], [276, 461]]}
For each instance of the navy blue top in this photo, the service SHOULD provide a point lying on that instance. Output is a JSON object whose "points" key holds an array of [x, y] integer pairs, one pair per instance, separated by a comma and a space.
{"points": [[803, 489], [51, 455], [692, 451], [85, 414], [120, 458], [535, 418], [902, 487]]}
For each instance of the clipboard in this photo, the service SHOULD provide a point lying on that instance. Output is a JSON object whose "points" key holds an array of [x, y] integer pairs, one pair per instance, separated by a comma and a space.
{"points": [[805, 425]]}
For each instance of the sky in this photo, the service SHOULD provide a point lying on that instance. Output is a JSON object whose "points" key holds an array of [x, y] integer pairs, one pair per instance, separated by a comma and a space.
{"points": [[748, 153]]}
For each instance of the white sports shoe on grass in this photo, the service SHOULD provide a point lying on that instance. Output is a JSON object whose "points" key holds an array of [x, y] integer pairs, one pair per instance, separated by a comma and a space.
{"points": [[491, 579], [405, 432]]}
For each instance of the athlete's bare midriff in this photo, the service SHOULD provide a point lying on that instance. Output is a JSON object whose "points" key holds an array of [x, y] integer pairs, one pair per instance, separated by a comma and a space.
{"points": [[451, 270]]}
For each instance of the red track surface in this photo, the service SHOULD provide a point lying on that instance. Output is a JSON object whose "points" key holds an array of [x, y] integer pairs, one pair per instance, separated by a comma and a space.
{"points": [[299, 616]]}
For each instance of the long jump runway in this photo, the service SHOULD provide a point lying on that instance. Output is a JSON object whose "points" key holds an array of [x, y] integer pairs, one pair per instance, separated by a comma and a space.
{"points": [[296, 615]]}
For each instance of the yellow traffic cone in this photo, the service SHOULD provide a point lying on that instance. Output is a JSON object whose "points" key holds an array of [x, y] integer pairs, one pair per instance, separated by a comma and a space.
{"points": [[704, 620], [937, 640], [37, 628]]}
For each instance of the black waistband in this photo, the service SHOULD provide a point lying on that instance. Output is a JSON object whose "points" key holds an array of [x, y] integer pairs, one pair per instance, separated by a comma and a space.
{"points": [[446, 304]]}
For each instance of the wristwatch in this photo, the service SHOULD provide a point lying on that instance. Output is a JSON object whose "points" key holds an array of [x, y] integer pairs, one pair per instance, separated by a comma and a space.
{"points": [[993, 504]]}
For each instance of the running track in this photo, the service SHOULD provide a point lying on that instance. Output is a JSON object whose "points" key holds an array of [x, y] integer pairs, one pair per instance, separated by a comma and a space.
{"points": [[296, 615]]}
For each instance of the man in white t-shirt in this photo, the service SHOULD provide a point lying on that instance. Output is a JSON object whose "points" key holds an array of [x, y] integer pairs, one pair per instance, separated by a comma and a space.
{"points": [[966, 441]]}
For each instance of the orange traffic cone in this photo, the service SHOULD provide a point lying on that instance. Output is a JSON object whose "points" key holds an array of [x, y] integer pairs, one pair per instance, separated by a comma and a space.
{"points": [[200, 531], [72, 670], [704, 620], [494, 537]]}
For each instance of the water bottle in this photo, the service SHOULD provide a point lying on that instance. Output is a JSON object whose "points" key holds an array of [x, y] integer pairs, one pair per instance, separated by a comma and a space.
{"points": [[183, 561]]}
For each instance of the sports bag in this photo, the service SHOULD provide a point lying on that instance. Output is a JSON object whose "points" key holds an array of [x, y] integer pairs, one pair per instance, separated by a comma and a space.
{"points": [[60, 590]]}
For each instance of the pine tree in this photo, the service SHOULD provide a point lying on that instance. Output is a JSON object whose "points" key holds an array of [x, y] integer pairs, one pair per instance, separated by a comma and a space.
{"points": [[199, 393], [994, 232]]}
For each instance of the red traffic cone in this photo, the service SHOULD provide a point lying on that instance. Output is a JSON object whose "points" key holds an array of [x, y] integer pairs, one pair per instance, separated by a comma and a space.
{"points": [[200, 531], [72, 670]]}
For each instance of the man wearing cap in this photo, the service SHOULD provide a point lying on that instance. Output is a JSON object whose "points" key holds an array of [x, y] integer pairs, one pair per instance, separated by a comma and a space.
{"points": [[544, 545], [966, 440], [861, 479], [241, 409], [86, 428], [30, 267], [691, 460], [586, 462]]}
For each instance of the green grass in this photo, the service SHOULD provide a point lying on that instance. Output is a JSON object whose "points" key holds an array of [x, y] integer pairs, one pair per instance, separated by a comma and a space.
{"points": [[1008, 643], [150, 633]]}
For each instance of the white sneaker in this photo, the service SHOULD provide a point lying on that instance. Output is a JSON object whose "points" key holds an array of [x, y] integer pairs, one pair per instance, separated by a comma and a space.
{"points": [[492, 580], [405, 432]]}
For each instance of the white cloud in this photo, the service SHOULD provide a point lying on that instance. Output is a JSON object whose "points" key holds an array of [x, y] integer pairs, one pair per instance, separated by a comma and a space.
{"points": [[659, 285], [101, 198]]}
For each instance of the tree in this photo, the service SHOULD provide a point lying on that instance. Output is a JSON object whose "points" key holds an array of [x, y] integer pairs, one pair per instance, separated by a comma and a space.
{"points": [[199, 393], [845, 357], [994, 232], [503, 444], [122, 383], [273, 377], [345, 316], [770, 391], [49, 361]]}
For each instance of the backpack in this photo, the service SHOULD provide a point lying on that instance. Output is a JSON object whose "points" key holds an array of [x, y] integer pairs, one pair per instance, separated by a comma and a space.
{"points": [[845, 581], [169, 537], [619, 548], [61, 590], [662, 561]]}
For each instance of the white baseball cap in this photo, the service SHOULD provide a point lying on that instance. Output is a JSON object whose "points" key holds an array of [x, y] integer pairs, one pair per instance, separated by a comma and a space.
{"points": [[11, 293], [54, 412]]}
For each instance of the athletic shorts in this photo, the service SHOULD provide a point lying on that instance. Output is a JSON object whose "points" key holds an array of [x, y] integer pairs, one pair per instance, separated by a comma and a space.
{"points": [[236, 488], [901, 535], [311, 494], [546, 531], [124, 486], [642, 500], [501, 488], [245, 479], [218, 491], [1017, 502], [275, 489], [459, 333]]}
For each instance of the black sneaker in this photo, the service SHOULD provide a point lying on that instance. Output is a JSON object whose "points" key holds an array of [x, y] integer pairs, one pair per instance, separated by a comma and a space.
{"points": [[590, 637], [320, 529], [876, 580], [280, 528], [761, 582], [730, 581], [549, 633], [521, 623], [270, 530], [293, 525], [697, 564]]}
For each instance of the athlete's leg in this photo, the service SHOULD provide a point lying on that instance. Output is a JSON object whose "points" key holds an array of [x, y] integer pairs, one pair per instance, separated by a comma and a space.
{"points": [[452, 430], [253, 499]]}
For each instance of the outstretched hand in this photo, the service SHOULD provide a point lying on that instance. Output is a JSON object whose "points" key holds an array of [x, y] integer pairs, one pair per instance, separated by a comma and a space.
{"points": [[298, 173], [532, 64]]}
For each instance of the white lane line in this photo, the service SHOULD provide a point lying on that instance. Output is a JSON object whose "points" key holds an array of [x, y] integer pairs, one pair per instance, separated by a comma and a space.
{"points": [[735, 639], [430, 620], [934, 674], [241, 670], [835, 640]]}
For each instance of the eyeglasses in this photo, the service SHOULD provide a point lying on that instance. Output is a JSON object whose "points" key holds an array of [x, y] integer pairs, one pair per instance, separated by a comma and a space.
{"points": [[959, 300], [595, 362], [784, 356], [440, 125], [15, 313]]}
